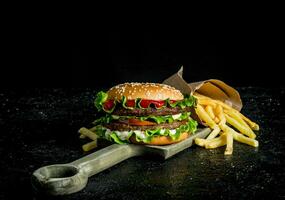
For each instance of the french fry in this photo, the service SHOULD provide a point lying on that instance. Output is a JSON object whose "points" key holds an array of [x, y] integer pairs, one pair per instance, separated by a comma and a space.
{"points": [[220, 114], [92, 129], [82, 136], [226, 106], [203, 142], [205, 99], [209, 110], [89, 146], [214, 133], [86, 132], [217, 120], [239, 137], [230, 140], [206, 102], [91, 135], [235, 114], [216, 142], [203, 115], [228, 134], [200, 96], [248, 132], [252, 124]]}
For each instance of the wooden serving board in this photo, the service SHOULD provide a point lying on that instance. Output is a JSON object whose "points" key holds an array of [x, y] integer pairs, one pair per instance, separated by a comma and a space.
{"points": [[61, 179]]}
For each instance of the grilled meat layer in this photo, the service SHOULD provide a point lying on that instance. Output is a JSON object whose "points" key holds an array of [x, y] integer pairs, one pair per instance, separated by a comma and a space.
{"points": [[124, 126], [150, 111]]}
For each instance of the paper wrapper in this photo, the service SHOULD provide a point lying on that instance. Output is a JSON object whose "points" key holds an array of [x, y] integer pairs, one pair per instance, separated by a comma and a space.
{"points": [[213, 88]]}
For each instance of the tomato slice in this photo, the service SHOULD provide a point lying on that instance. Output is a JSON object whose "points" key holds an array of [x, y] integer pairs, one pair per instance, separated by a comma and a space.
{"points": [[109, 104], [138, 122]]}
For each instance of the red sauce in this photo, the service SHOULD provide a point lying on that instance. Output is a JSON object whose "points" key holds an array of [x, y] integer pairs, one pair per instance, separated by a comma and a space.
{"points": [[109, 104], [131, 103], [146, 103]]}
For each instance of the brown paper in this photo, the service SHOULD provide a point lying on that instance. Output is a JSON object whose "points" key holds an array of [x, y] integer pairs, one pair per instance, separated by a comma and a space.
{"points": [[213, 88]]}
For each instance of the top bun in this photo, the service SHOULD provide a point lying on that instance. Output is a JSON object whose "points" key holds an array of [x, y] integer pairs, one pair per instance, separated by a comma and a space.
{"points": [[150, 91]]}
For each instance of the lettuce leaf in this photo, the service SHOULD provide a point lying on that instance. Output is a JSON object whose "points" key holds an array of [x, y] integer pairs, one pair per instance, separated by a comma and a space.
{"points": [[116, 139], [188, 101], [101, 97]]}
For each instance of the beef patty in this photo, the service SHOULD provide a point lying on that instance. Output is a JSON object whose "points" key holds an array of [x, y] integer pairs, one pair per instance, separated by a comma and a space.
{"points": [[150, 111], [121, 126]]}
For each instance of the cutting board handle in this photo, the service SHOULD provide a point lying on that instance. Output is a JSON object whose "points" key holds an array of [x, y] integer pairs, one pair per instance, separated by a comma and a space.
{"points": [[61, 179], [107, 157]]}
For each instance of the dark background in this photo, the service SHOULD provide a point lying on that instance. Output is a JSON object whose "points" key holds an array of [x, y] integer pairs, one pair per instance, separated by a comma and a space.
{"points": [[239, 60], [103, 59], [56, 84]]}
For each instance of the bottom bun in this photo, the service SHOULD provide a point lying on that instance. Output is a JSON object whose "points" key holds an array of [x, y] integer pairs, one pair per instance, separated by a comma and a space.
{"points": [[161, 140]]}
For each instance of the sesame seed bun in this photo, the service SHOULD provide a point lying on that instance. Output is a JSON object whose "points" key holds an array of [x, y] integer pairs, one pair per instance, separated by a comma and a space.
{"points": [[161, 140], [150, 91]]}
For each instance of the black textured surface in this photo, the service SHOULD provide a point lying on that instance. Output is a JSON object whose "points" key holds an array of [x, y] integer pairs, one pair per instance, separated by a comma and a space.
{"points": [[39, 127]]}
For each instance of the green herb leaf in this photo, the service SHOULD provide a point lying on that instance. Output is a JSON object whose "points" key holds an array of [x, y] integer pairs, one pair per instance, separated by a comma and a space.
{"points": [[101, 97], [191, 126], [117, 139]]}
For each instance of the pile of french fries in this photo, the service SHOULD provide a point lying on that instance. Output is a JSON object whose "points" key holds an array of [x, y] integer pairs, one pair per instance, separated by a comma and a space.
{"points": [[227, 124]]}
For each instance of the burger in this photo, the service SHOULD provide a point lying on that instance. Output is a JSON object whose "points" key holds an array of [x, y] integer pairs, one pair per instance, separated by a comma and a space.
{"points": [[144, 113]]}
